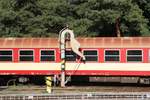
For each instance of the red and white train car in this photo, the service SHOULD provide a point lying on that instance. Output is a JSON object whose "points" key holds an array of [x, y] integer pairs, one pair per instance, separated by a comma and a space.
{"points": [[121, 57]]}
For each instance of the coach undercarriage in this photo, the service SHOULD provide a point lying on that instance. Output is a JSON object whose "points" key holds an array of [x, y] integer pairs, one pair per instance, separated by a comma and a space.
{"points": [[7, 80], [116, 79]]}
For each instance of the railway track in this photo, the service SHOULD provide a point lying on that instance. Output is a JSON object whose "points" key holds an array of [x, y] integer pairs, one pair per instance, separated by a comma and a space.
{"points": [[72, 89], [75, 93], [80, 96]]}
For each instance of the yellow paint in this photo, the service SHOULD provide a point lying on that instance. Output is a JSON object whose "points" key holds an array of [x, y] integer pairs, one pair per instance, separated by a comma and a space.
{"points": [[49, 84], [63, 61]]}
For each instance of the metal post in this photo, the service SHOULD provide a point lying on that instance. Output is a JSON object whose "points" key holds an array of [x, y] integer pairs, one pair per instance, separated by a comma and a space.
{"points": [[63, 65], [62, 50]]}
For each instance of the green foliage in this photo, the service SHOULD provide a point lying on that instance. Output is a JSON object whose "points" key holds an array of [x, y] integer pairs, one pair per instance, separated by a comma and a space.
{"points": [[145, 6], [45, 18], [32, 18], [103, 14]]}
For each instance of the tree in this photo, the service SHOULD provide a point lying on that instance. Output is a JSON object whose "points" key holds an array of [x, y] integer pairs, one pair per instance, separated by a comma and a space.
{"points": [[145, 6], [101, 17], [32, 18], [45, 18]]}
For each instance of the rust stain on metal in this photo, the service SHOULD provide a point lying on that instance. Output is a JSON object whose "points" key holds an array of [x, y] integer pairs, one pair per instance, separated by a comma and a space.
{"points": [[97, 42]]}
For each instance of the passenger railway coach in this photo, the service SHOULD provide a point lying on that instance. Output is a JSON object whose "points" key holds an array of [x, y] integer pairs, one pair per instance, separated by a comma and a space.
{"points": [[126, 56]]}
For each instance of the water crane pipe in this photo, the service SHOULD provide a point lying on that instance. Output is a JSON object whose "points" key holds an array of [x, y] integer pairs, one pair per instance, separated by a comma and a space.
{"points": [[75, 45]]}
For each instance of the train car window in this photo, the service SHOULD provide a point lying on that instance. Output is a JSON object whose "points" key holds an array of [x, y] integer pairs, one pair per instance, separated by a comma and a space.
{"points": [[91, 55], [70, 55], [5, 55], [47, 55], [26, 55], [112, 55], [134, 55]]}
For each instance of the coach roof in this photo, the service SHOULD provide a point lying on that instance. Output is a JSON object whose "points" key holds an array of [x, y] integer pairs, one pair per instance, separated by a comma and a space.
{"points": [[95, 42]]}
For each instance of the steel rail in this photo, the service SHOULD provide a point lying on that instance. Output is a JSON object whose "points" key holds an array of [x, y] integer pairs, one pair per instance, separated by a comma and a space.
{"points": [[80, 96]]}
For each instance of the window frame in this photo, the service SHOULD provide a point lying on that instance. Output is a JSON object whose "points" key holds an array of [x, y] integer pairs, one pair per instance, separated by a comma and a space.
{"points": [[12, 54], [112, 50], [47, 50], [91, 50], [134, 61], [26, 50], [66, 55]]}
